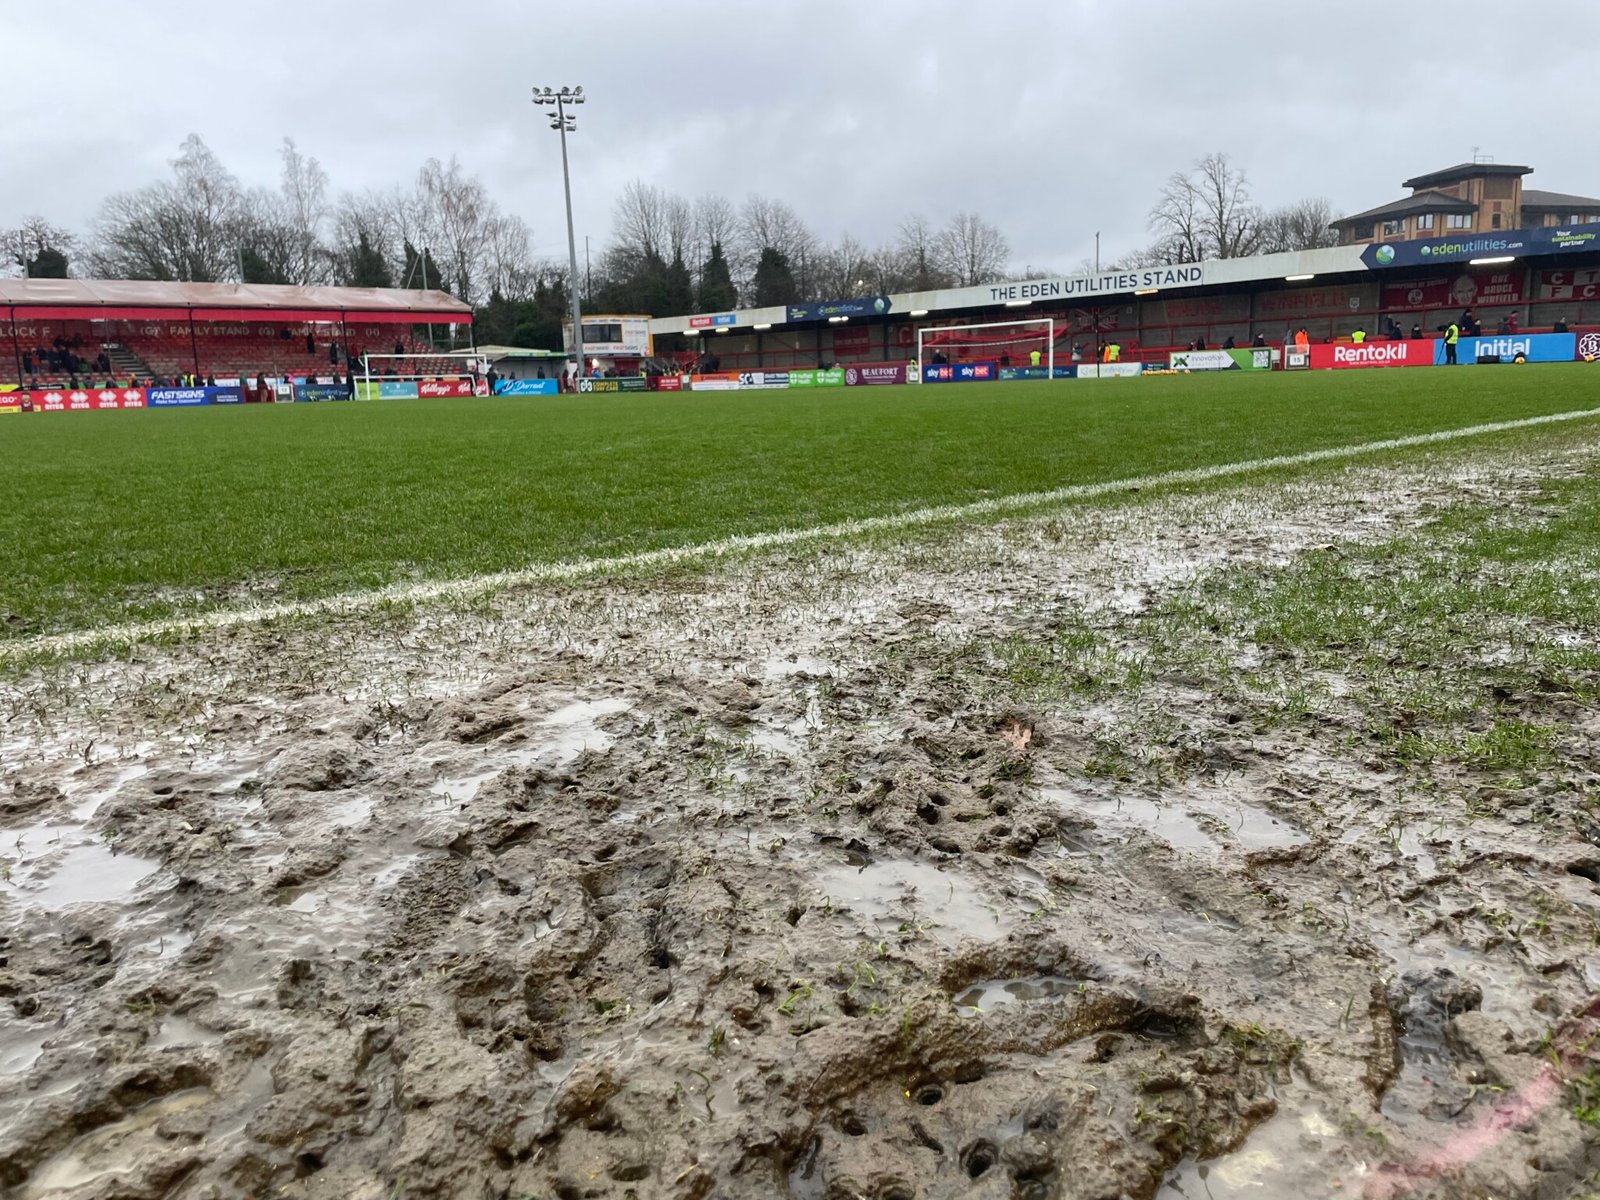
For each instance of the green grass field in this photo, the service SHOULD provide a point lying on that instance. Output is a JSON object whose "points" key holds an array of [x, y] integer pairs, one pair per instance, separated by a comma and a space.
{"points": [[125, 516]]}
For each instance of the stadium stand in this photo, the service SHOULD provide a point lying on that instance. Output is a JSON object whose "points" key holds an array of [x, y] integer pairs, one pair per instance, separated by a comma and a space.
{"points": [[53, 332]]}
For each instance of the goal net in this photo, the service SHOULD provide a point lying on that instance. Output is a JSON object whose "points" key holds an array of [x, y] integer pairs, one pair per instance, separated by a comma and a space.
{"points": [[1029, 343], [408, 376]]}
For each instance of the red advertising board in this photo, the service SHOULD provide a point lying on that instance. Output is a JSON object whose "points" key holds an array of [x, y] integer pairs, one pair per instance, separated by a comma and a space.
{"points": [[1455, 291], [669, 383], [1308, 300], [1500, 287], [1344, 356], [1569, 285], [852, 341], [1420, 293], [79, 400], [445, 387]]}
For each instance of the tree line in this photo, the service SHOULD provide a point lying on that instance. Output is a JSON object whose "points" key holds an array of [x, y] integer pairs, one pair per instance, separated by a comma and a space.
{"points": [[667, 253]]}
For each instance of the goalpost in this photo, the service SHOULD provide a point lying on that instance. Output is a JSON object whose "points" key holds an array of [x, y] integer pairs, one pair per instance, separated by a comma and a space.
{"points": [[408, 376], [977, 342]]}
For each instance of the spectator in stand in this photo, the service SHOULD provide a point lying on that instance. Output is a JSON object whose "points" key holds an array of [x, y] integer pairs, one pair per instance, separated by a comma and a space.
{"points": [[1560, 326], [1229, 343], [27, 362], [399, 347], [1504, 327], [311, 343], [1511, 324], [333, 353], [1200, 342], [1259, 341], [211, 381], [1358, 335], [1416, 331]]}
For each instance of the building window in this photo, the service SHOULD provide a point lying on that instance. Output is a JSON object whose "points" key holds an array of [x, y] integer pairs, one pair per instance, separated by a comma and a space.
{"points": [[1458, 221], [1424, 221], [1494, 221], [1393, 228]]}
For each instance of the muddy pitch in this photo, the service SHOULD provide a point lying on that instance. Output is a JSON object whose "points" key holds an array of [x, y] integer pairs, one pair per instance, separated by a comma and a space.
{"points": [[731, 884]]}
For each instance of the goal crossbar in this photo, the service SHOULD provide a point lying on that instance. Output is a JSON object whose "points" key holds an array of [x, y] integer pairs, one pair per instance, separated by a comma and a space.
{"points": [[1047, 331]]}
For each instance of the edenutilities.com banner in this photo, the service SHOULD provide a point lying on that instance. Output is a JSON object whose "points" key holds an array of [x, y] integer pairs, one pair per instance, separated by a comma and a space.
{"points": [[1522, 243]]}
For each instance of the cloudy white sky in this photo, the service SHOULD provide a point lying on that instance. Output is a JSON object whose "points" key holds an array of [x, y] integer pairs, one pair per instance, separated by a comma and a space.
{"points": [[1053, 119]]}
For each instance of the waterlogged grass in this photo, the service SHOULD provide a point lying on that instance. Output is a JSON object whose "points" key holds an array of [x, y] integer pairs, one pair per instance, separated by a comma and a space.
{"points": [[126, 516], [1453, 647]]}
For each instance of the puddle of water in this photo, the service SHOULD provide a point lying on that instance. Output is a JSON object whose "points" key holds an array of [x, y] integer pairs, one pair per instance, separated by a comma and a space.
{"points": [[1294, 1153], [893, 894], [107, 1151], [464, 787], [794, 664], [91, 803], [782, 742], [20, 1049], [1182, 822], [560, 738], [1257, 829], [313, 902], [180, 1031], [992, 993], [161, 947], [1133, 812], [62, 866], [351, 812]]}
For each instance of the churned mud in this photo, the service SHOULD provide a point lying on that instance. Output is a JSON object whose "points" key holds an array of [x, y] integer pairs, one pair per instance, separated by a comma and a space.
{"points": [[798, 878]]}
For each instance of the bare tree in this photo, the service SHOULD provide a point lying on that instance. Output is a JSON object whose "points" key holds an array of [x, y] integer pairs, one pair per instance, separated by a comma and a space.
{"points": [[1206, 213], [1304, 225], [508, 263], [186, 228], [642, 221], [715, 223], [451, 218], [768, 224], [918, 249], [365, 233], [971, 250], [303, 212], [843, 270], [36, 245]]}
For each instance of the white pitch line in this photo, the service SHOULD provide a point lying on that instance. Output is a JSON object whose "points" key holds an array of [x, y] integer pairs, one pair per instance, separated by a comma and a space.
{"points": [[479, 585]]}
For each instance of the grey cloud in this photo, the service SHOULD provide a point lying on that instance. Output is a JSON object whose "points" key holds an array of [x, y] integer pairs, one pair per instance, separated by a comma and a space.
{"points": [[1053, 120]]}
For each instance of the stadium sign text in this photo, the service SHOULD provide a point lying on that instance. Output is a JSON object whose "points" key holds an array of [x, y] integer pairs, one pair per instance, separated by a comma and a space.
{"points": [[1188, 275]]}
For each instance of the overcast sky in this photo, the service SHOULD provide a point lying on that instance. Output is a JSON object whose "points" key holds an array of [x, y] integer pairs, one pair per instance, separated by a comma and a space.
{"points": [[1053, 120]]}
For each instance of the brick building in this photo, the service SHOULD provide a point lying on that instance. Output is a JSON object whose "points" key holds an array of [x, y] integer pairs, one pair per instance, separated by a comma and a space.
{"points": [[1476, 197]]}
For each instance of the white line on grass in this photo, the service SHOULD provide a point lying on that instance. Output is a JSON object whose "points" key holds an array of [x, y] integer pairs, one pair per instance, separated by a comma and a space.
{"points": [[480, 585]]}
